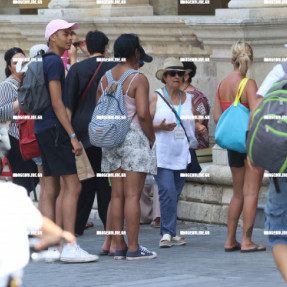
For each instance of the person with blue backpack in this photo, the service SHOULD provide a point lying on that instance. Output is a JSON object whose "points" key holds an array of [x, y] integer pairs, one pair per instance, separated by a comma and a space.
{"points": [[238, 91], [122, 126]]}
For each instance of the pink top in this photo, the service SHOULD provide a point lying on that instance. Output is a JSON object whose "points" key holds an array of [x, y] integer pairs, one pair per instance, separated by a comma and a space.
{"points": [[130, 105]]}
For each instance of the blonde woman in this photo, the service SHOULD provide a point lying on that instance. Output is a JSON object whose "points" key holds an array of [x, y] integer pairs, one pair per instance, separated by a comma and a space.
{"points": [[246, 181]]}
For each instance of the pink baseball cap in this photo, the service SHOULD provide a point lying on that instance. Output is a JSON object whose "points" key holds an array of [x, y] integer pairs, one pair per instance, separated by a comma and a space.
{"points": [[58, 24]]}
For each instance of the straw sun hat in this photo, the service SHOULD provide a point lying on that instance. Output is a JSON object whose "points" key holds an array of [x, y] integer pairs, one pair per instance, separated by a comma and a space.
{"points": [[170, 64]]}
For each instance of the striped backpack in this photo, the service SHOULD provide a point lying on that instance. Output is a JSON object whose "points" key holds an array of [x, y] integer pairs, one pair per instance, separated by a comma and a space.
{"points": [[110, 123], [267, 139]]}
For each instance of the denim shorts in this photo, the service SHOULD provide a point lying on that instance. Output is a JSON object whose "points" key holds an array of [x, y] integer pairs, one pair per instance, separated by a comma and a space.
{"points": [[37, 160], [276, 213]]}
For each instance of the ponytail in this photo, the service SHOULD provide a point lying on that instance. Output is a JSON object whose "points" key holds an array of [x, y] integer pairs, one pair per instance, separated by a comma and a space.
{"points": [[242, 56]]}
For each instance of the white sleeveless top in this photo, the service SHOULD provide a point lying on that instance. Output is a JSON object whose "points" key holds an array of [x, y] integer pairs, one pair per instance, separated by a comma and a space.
{"points": [[173, 153]]}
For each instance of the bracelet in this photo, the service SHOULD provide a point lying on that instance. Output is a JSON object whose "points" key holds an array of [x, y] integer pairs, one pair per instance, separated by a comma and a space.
{"points": [[72, 135]]}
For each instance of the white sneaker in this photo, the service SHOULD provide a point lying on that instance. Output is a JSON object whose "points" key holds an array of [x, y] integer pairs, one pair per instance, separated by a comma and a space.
{"points": [[53, 254], [74, 253]]}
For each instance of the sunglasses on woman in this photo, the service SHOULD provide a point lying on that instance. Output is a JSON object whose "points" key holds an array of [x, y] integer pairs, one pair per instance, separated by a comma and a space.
{"points": [[173, 73]]}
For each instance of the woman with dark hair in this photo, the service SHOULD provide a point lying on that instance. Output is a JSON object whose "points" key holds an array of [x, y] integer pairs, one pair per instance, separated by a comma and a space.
{"points": [[199, 100], [9, 107], [135, 157]]}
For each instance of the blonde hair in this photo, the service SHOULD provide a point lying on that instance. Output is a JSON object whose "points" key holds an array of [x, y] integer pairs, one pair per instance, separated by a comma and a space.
{"points": [[242, 56]]}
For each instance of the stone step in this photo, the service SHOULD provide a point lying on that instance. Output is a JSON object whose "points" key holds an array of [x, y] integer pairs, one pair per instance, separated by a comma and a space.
{"points": [[209, 203]]}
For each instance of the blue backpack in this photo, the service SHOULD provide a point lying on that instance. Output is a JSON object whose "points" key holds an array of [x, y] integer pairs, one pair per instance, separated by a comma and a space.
{"points": [[110, 123]]}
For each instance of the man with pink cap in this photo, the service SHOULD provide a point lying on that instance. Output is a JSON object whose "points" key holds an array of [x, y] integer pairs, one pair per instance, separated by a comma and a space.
{"points": [[59, 145]]}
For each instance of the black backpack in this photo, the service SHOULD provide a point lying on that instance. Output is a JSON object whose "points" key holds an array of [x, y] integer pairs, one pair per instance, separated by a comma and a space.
{"points": [[33, 95]]}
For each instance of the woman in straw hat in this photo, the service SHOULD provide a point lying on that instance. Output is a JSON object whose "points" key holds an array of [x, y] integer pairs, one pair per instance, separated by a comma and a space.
{"points": [[171, 144]]}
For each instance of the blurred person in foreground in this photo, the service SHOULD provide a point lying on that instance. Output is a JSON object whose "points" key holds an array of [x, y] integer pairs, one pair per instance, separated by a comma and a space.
{"points": [[18, 218], [276, 206]]}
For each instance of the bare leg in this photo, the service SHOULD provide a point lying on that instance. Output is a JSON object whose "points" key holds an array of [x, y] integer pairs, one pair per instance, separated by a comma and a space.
{"points": [[117, 206], [49, 196], [235, 206], [59, 207], [280, 257], [133, 186], [72, 188], [110, 242], [252, 183], [42, 186]]}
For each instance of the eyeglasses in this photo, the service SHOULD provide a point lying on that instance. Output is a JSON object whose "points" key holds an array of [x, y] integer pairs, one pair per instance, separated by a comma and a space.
{"points": [[173, 73]]}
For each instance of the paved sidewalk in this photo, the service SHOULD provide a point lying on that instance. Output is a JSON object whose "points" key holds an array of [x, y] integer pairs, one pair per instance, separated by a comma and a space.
{"points": [[202, 262]]}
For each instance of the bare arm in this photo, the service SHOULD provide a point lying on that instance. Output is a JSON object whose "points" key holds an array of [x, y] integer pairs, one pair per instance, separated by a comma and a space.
{"points": [[61, 114], [217, 112], [72, 52], [142, 107], [252, 99], [199, 126], [162, 126], [52, 234], [69, 113]]}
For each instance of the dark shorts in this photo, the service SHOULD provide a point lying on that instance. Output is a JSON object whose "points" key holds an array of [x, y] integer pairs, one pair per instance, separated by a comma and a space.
{"points": [[276, 213], [236, 159], [56, 152]]}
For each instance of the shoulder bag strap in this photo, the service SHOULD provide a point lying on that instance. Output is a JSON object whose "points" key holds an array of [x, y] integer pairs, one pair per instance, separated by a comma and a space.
{"points": [[240, 90], [90, 82], [175, 115], [13, 85]]}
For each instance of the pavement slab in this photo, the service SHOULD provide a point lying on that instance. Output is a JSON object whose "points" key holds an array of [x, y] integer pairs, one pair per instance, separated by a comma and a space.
{"points": [[201, 262]]}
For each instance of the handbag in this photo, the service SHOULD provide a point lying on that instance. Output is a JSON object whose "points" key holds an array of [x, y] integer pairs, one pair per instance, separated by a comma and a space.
{"points": [[84, 168], [230, 132], [194, 166], [82, 115]]}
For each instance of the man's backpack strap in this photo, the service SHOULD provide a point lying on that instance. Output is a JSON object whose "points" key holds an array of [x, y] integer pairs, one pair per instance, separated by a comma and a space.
{"points": [[284, 66]]}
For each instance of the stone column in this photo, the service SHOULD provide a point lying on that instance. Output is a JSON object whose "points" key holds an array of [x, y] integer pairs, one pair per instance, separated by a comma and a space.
{"points": [[253, 9], [8, 8], [254, 4], [97, 8]]}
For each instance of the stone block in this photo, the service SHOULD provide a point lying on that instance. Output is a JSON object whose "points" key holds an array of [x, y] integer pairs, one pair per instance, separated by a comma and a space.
{"points": [[219, 155], [227, 193], [201, 193], [202, 212]]}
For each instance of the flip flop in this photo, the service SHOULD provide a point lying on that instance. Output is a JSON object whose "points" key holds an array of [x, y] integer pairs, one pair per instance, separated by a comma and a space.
{"points": [[234, 248], [255, 249], [111, 254]]}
